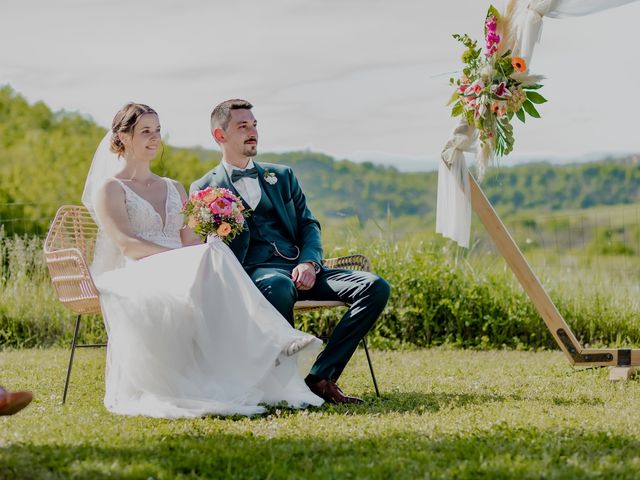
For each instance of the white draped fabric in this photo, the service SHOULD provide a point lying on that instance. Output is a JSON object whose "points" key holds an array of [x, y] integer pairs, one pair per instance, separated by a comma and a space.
{"points": [[529, 14], [453, 186], [453, 210]]}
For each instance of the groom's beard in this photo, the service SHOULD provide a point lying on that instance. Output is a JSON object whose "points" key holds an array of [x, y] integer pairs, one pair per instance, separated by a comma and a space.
{"points": [[250, 150]]}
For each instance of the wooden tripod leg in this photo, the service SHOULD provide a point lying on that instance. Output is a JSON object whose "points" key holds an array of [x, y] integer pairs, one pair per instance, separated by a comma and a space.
{"points": [[561, 332]]}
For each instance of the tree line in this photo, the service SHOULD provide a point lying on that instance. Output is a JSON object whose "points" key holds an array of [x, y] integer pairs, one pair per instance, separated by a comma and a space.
{"points": [[45, 155]]}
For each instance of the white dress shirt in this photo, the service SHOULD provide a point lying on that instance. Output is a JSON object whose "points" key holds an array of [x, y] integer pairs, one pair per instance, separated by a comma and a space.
{"points": [[248, 188]]}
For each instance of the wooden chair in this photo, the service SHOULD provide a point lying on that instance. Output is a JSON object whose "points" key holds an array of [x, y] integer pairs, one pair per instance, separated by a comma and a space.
{"points": [[350, 262], [68, 251]]}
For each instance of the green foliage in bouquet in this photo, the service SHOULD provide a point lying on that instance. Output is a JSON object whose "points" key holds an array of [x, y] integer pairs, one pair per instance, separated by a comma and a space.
{"points": [[494, 86]]}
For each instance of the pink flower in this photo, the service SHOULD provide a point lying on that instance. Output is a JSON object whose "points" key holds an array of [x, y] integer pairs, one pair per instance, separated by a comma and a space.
{"points": [[500, 90], [492, 39], [202, 193], [221, 206], [475, 88], [491, 23]]}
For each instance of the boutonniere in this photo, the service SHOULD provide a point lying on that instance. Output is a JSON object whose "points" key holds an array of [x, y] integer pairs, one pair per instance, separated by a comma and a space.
{"points": [[270, 177]]}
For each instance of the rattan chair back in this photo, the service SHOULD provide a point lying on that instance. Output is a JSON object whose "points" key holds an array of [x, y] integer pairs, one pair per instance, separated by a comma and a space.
{"points": [[68, 251]]}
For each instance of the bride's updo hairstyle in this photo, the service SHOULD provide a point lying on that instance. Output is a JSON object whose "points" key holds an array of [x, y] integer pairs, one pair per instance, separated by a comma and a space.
{"points": [[125, 121]]}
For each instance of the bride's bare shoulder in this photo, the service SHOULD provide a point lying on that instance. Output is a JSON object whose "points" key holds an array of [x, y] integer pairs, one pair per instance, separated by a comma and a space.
{"points": [[178, 186], [110, 198], [111, 188]]}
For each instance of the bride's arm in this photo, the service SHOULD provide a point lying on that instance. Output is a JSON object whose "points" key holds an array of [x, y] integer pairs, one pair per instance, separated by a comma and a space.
{"points": [[112, 212], [186, 234]]}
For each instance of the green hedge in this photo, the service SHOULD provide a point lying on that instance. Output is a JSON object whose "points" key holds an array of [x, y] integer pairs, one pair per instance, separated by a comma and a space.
{"points": [[438, 297]]}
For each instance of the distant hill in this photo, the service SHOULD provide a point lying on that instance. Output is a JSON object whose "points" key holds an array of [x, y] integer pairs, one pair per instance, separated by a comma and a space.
{"points": [[561, 187], [44, 157]]}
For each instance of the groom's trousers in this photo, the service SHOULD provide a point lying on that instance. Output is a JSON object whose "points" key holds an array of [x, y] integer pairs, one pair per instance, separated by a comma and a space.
{"points": [[364, 291]]}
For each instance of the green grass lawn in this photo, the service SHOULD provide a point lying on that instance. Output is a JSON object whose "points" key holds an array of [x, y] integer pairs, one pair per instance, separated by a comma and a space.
{"points": [[443, 414]]}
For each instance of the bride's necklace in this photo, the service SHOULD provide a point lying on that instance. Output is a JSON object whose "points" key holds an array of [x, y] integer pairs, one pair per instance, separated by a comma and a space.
{"points": [[144, 183]]}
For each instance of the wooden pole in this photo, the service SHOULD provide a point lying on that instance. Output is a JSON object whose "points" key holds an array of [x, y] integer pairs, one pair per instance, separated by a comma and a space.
{"points": [[559, 329]]}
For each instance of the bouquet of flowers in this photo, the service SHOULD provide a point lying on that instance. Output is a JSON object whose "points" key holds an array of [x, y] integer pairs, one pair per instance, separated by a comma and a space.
{"points": [[494, 87], [215, 211]]}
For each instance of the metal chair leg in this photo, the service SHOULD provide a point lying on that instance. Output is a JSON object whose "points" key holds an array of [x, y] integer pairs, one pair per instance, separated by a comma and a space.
{"points": [[73, 349], [373, 375]]}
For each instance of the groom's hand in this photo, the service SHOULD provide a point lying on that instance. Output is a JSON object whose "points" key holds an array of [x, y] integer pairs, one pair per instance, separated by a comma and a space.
{"points": [[304, 276]]}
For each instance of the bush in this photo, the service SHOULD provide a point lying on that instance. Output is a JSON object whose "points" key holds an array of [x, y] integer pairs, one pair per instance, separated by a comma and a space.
{"points": [[439, 297]]}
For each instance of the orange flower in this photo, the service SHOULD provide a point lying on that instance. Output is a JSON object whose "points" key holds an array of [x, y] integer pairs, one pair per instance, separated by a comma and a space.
{"points": [[499, 107], [192, 222], [209, 197], [224, 229], [519, 64]]}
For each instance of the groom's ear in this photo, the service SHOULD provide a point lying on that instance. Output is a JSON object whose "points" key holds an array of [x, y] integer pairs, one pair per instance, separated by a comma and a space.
{"points": [[218, 135]]}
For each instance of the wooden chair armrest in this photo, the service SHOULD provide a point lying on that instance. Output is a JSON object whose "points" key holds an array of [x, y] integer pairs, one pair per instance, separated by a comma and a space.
{"points": [[71, 278], [350, 262], [66, 261]]}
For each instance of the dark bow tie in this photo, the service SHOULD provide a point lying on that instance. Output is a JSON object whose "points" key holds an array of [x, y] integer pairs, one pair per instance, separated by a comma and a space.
{"points": [[238, 174]]}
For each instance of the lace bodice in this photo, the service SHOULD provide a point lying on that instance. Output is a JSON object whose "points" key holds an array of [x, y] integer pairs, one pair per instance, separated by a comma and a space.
{"points": [[146, 221]]}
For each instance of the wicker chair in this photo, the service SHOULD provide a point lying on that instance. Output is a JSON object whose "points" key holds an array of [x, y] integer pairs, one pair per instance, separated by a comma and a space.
{"points": [[69, 249], [350, 262]]}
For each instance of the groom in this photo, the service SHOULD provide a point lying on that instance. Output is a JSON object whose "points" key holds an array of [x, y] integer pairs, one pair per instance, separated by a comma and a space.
{"points": [[281, 248]]}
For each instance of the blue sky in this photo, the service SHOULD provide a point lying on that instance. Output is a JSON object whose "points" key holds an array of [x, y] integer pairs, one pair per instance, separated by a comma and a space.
{"points": [[359, 79]]}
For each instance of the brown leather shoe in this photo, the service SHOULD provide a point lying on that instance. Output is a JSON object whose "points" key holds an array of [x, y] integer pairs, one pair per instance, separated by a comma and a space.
{"points": [[330, 392], [13, 402]]}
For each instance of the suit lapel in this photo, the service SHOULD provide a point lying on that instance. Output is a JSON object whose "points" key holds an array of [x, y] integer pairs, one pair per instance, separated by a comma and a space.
{"points": [[275, 195]]}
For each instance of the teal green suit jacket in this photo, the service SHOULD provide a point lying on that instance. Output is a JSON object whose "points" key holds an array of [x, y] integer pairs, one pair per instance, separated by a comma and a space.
{"points": [[289, 202]]}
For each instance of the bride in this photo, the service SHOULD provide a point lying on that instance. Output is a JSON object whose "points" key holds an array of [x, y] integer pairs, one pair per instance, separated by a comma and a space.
{"points": [[189, 333]]}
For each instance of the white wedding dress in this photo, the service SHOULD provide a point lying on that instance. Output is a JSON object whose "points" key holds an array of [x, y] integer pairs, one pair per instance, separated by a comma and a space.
{"points": [[190, 334]]}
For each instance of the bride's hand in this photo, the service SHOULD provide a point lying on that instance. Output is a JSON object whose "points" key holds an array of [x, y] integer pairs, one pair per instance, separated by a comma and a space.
{"points": [[304, 276], [187, 235]]}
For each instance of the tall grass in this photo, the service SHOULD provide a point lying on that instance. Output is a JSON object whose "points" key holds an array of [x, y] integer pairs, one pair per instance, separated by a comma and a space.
{"points": [[30, 313], [440, 295]]}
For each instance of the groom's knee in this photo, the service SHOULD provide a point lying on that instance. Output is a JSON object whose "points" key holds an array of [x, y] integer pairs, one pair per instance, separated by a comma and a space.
{"points": [[280, 290], [276, 284], [378, 292]]}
